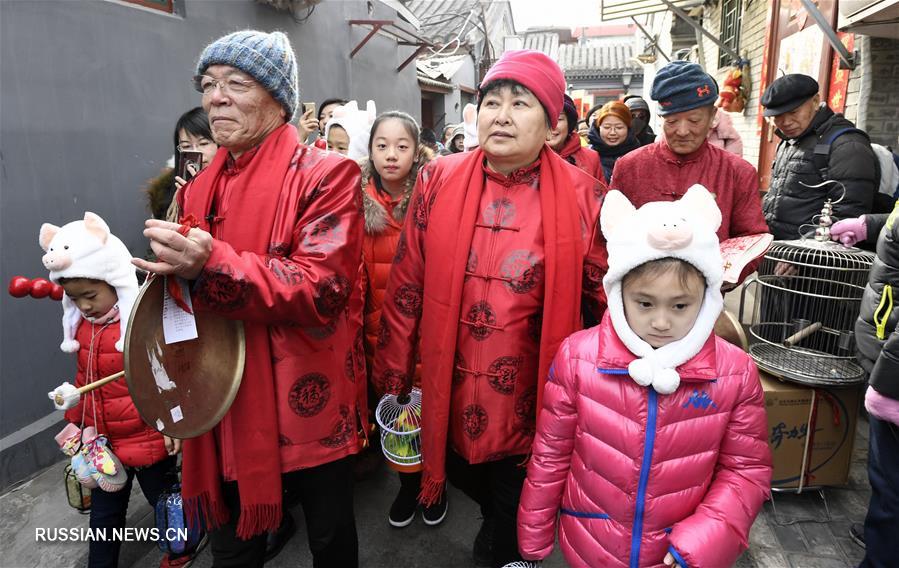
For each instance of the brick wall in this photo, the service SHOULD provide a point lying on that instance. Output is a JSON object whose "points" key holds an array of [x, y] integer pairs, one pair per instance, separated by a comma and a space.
{"points": [[872, 98], [752, 47], [882, 108], [856, 85]]}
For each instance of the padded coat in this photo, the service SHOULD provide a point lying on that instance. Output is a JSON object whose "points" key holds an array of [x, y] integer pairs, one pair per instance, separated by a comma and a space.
{"points": [[383, 229], [110, 408], [629, 475], [876, 330], [790, 203]]}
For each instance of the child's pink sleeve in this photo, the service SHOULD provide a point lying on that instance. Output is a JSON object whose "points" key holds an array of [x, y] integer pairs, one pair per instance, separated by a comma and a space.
{"points": [[550, 460], [718, 531]]}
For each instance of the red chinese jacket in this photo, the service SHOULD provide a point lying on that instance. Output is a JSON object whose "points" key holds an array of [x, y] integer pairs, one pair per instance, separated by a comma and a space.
{"points": [[502, 298], [655, 173], [297, 290]]}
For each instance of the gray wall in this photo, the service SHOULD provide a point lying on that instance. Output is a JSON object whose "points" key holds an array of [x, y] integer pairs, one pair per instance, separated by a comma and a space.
{"points": [[89, 94], [453, 102]]}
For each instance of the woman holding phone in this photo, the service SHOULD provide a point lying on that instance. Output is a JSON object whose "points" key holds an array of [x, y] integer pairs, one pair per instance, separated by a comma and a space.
{"points": [[193, 144], [194, 150]]}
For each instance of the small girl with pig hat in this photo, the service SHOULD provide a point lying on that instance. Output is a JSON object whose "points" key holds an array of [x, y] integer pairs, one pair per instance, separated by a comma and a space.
{"points": [[651, 442], [106, 437]]}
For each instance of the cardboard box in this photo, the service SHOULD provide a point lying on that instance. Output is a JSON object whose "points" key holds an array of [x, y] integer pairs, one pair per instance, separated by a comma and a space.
{"points": [[789, 409]]}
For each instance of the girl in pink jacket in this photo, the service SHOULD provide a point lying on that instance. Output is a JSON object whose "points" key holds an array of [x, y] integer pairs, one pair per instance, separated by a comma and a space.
{"points": [[651, 442]]}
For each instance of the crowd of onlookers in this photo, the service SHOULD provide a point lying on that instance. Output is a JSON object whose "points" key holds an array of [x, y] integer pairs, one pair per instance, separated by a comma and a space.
{"points": [[548, 281]]}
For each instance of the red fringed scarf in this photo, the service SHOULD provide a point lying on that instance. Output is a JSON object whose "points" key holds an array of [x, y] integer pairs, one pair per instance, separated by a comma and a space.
{"points": [[254, 199], [458, 204]]}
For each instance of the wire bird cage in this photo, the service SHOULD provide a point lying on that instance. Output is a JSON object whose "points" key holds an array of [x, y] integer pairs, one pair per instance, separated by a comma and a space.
{"points": [[807, 296], [400, 422]]}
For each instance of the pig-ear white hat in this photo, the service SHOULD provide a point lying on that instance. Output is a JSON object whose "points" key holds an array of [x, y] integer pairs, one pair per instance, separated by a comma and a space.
{"points": [[684, 229], [95, 252], [87, 249]]}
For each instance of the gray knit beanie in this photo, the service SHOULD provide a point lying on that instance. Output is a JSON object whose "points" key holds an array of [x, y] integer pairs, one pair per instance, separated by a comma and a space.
{"points": [[268, 58]]}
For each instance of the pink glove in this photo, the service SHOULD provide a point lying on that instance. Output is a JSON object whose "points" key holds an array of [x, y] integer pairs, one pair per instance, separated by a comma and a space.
{"points": [[882, 407], [849, 231]]}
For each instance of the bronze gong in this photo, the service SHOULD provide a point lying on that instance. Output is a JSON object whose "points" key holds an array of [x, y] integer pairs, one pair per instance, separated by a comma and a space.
{"points": [[182, 389]]}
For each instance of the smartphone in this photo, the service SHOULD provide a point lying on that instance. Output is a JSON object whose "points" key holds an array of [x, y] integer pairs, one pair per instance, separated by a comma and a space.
{"points": [[189, 164], [309, 107]]}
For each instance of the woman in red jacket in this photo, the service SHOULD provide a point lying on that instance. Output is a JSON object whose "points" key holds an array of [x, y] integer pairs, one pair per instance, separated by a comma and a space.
{"points": [[566, 141], [388, 176]]}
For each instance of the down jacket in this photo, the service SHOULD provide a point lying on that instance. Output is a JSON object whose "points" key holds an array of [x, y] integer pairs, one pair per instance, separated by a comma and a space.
{"points": [[724, 135], [110, 408], [789, 204], [875, 330], [383, 226], [636, 474]]}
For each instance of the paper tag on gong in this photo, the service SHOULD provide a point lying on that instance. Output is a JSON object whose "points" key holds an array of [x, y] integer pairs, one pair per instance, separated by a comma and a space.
{"points": [[177, 325]]}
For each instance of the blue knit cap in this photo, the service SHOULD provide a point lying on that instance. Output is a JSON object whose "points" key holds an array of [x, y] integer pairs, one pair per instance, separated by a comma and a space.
{"points": [[681, 86], [268, 58]]}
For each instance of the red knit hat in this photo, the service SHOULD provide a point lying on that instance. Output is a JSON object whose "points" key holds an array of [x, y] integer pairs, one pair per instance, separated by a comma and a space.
{"points": [[540, 74]]}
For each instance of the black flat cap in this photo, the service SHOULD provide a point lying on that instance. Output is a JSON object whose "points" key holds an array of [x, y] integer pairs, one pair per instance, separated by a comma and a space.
{"points": [[787, 93]]}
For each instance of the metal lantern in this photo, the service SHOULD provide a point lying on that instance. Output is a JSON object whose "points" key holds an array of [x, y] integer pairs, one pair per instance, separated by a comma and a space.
{"points": [[78, 495], [400, 422], [806, 299]]}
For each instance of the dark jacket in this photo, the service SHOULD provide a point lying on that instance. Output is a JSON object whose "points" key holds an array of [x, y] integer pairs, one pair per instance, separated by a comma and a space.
{"points": [[790, 204], [646, 136], [608, 155], [878, 346]]}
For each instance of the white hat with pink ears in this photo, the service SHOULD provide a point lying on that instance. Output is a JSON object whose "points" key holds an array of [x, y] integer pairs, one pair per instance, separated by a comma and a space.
{"points": [[684, 229], [87, 249], [357, 123]]}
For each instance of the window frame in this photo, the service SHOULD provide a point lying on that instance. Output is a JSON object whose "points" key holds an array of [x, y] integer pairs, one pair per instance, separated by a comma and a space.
{"points": [[731, 26], [164, 6]]}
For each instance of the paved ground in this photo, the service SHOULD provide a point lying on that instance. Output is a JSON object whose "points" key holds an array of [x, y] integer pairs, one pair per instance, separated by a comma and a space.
{"points": [[798, 534]]}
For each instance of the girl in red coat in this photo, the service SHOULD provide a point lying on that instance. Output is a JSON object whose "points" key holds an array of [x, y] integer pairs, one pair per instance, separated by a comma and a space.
{"points": [[651, 441], [94, 267], [388, 176]]}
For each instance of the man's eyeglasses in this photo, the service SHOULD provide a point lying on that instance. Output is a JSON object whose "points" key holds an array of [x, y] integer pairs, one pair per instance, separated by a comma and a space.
{"points": [[206, 84]]}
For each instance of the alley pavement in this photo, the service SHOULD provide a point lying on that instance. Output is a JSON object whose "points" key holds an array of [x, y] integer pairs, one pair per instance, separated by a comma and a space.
{"points": [[796, 531]]}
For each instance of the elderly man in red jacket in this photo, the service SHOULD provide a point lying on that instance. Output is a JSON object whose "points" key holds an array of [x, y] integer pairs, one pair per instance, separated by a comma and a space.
{"points": [[664, 170], [498, 249], [277, 243]]}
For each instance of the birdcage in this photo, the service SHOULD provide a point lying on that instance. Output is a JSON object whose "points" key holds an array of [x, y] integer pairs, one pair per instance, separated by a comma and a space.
{"points": [[805, 301], [400, 420]]}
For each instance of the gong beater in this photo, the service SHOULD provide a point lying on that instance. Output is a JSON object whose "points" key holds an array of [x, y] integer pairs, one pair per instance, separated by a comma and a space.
{"points": [[182, 389]]}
